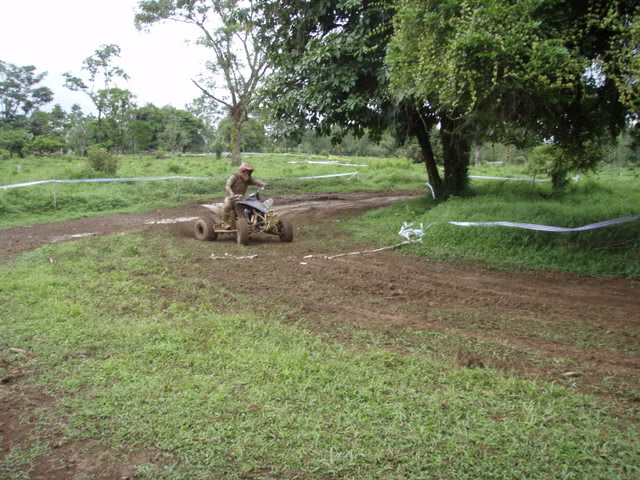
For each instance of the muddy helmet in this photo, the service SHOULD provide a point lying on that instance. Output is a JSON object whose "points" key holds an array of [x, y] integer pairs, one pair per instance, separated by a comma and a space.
{"points": [[246, 168], [245, 171]]}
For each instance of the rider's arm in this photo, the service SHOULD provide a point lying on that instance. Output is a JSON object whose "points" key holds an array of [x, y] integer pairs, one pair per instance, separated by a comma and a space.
{"points": [[258, 183], [228, 188]]}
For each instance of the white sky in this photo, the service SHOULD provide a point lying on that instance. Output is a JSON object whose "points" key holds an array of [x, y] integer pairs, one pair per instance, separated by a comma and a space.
{"points": [[56, 36]]}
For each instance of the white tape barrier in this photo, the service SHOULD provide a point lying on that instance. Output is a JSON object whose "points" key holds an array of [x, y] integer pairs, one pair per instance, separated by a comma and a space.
{"points": [[350, 174], [91, 180], [546, 228], [433, 193], [512, 179], [141, 179], [407, 231], [330, 162]]}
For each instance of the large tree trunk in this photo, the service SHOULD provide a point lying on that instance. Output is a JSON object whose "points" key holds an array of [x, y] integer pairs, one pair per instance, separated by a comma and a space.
{"points": [[455, 152], [477, 154], [237, 118], [435, 180]]}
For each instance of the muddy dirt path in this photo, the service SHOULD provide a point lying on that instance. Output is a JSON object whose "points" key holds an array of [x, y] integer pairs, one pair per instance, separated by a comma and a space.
{"points": [[30, 237]]}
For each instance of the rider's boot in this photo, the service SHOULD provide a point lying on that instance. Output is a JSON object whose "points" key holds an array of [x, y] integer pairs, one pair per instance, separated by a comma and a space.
{"points": [[227, 221]]}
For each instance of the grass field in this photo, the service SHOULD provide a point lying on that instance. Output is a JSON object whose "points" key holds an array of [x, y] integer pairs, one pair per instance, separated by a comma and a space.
{"points": [[138, 358], [62, 201], [609, 193]]}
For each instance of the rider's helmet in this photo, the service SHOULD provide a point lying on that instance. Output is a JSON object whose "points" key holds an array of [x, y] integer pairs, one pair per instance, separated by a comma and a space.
{"points": [[245, 171]]}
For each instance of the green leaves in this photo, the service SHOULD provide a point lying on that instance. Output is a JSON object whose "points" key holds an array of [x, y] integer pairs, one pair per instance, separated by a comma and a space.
{"points": [[19, 91]]}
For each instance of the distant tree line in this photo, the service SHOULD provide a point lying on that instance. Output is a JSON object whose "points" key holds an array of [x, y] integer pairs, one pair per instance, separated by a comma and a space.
{"points": [[120, 125]]}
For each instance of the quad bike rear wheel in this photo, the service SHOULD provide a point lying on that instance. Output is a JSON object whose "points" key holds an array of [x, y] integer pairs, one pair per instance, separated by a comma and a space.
{"points": [[242, 234], [285, 230], [204, 229]]}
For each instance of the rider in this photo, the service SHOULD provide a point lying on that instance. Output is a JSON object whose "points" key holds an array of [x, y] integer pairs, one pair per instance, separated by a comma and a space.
{"points": [[235, 189]]}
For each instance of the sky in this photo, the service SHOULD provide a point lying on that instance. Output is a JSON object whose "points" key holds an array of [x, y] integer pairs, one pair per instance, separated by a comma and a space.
{"points": [[56, 37]]}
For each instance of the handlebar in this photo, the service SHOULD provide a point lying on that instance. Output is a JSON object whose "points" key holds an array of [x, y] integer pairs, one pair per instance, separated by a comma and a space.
{"points": [[255, 194]]}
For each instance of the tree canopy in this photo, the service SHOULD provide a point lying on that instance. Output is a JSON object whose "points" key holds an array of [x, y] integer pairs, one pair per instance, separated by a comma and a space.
{"points": [[562, 72], [19, 91]]}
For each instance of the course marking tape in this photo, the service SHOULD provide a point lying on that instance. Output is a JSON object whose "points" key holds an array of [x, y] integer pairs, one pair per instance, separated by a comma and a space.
{"points": [[547, 228], [512, 179], [330, 162], [140, 179], [350, 174]]}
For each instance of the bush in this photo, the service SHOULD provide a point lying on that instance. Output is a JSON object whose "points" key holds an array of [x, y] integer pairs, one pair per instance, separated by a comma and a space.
{"points": [[101, 160], [14, 140], [174, 168], [44, 145]]}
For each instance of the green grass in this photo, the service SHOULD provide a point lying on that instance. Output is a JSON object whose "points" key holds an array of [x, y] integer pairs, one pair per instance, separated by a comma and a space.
{"points": [[611, 251], [63, 201], [611, 193], [140, 358]]}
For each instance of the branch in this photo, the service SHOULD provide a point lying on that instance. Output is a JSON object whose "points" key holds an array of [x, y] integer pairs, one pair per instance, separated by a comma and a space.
{"points": [[210, 95]]}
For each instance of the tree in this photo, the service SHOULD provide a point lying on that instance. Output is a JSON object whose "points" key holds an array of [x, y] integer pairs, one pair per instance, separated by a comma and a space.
{"points": [[77, 130], [102, 75], [210, 113], [329, 74], [48, 123], [167, 128], [19, 91], [143, 132], [228, 29], [118, 106], [14, 140], [45, 145], [253, 138], [559, 71]]}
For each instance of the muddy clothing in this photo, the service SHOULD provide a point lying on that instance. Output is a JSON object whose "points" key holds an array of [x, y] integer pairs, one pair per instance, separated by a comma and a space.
{"points": [[236, 185]]}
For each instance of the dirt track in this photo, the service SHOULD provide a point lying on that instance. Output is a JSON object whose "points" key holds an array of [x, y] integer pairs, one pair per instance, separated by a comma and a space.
{"points": [[581, 332], [588, 326]]}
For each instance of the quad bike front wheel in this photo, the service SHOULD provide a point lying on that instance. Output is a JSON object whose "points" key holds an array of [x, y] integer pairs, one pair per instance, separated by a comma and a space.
{"points": [[204, 229], [242, 233], [285, 230]]}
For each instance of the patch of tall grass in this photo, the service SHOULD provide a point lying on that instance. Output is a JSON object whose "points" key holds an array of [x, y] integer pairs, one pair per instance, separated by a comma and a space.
{"points": [[612, 250]]}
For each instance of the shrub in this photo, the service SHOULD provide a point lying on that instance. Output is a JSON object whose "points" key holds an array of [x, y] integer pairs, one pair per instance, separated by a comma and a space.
{"points": [[45, 145], [174, 168], [218, 148], [101, 160]]}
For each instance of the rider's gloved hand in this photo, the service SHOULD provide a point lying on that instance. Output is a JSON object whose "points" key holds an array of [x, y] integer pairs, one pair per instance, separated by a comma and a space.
{"points": [[238, 197]]}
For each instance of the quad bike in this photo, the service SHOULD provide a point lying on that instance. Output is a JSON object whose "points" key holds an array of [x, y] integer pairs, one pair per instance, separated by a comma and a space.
{"points": [[251, 216]]}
